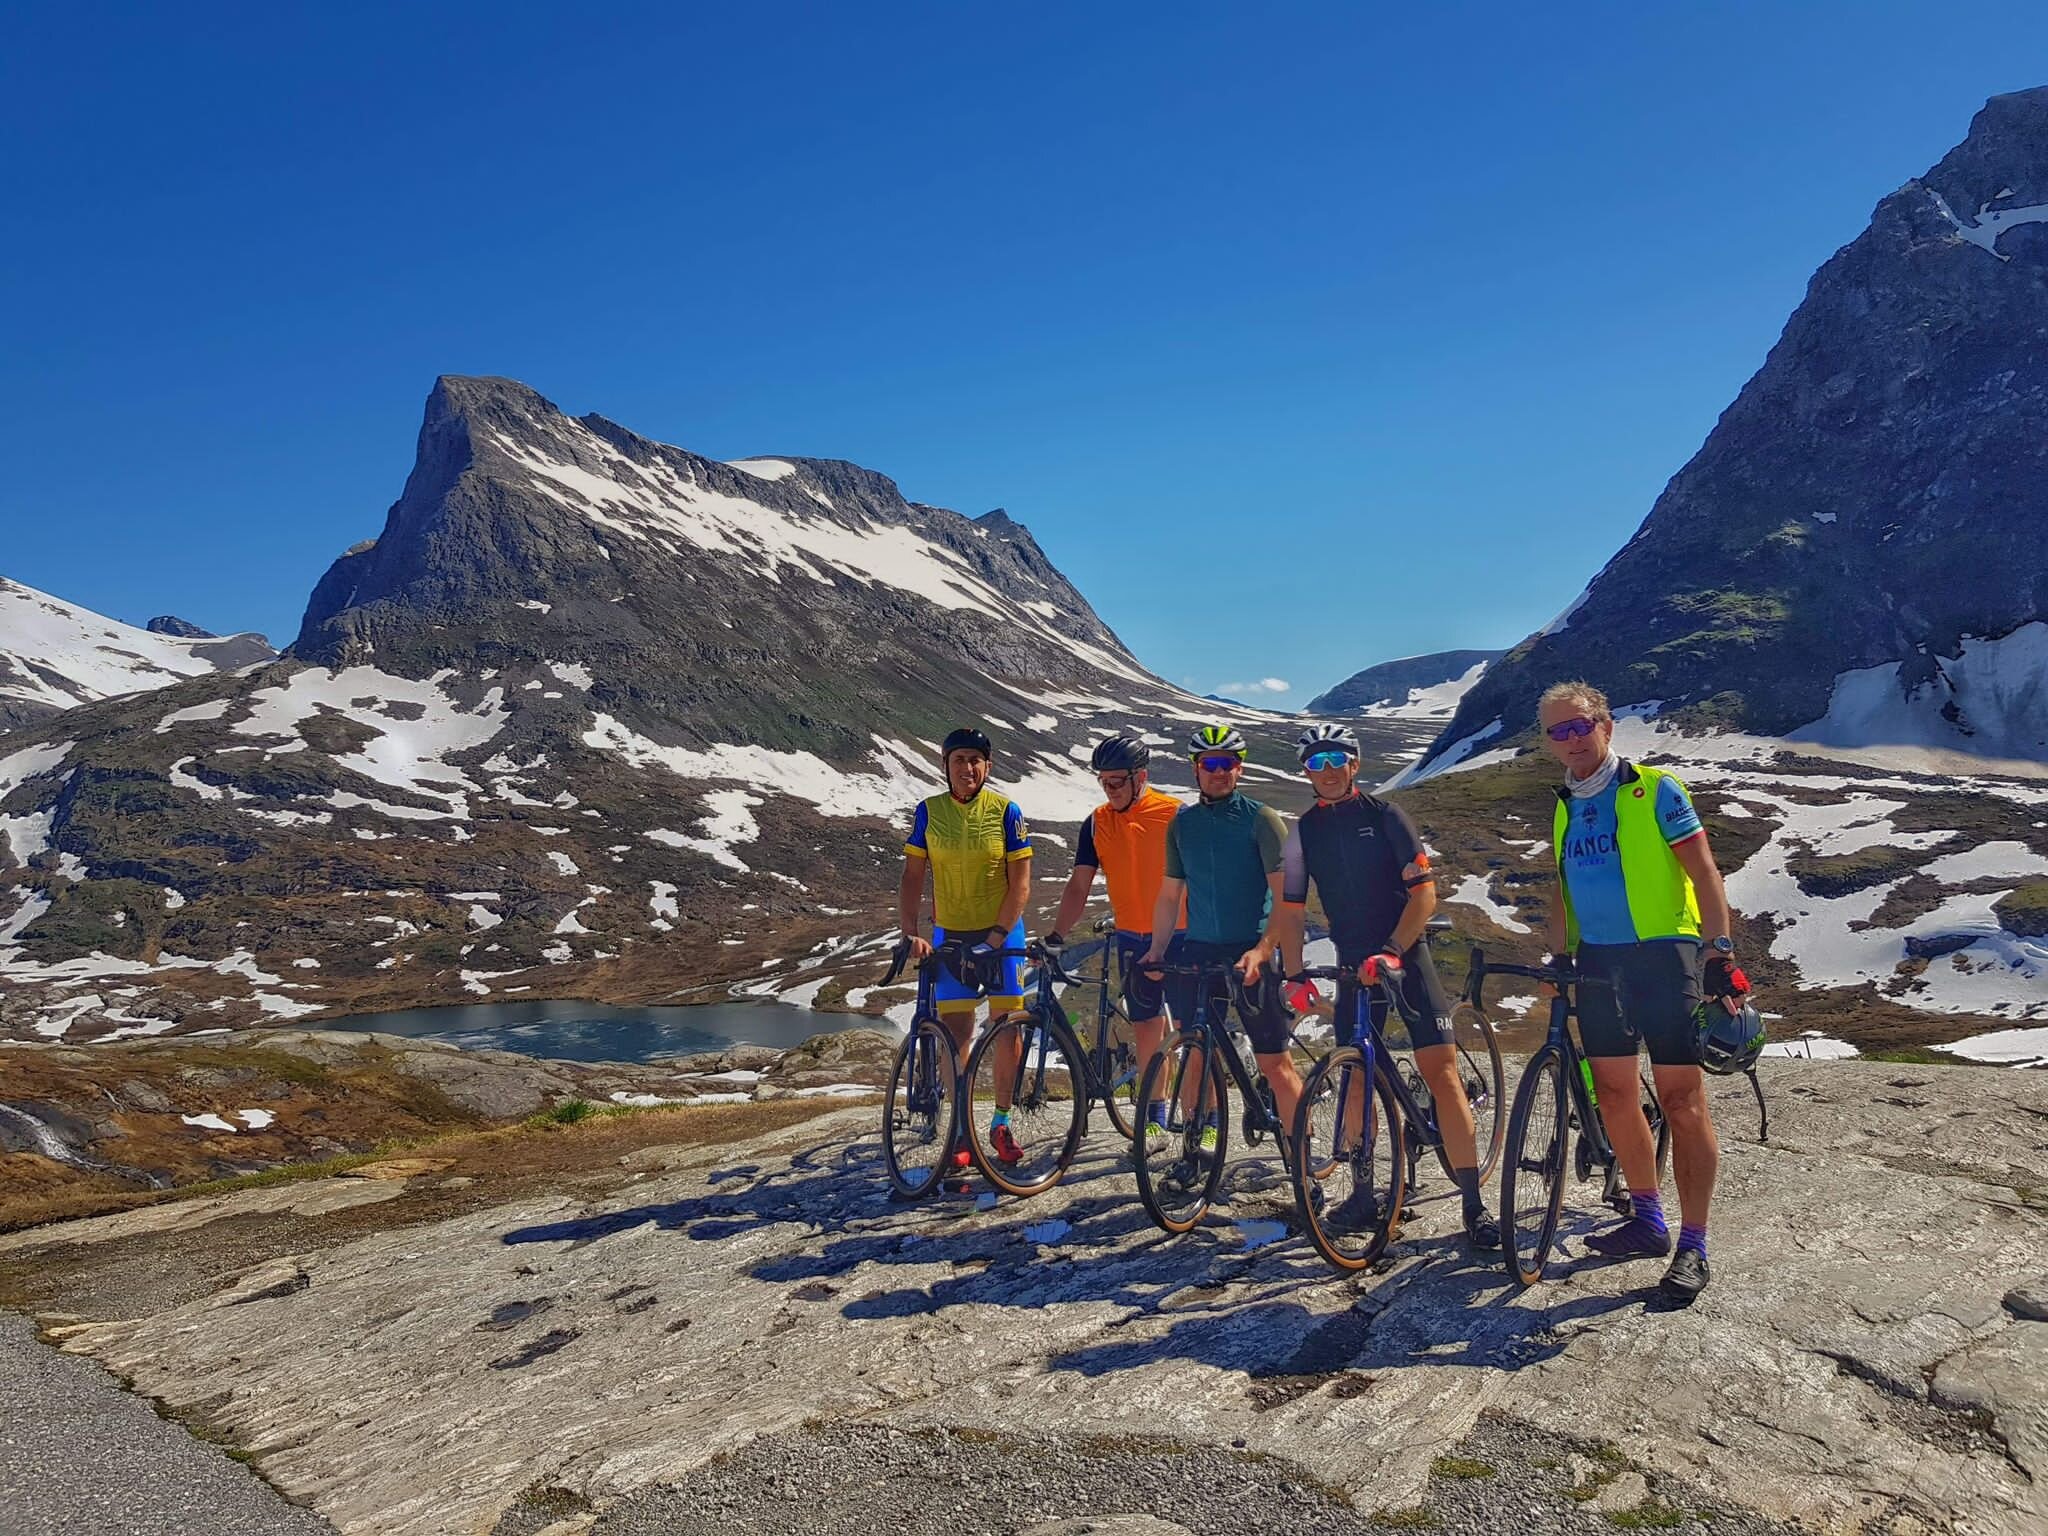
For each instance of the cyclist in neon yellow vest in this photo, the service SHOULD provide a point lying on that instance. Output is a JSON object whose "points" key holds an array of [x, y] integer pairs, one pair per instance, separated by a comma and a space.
{"points": [[1639, 900]]}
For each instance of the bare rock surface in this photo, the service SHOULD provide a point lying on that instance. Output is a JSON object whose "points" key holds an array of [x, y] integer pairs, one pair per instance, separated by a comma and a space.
{"points": [[1853, 1366]]}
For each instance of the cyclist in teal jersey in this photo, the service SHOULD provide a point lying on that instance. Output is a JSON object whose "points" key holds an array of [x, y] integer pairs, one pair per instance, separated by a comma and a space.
{"points": [[1223, 855]]}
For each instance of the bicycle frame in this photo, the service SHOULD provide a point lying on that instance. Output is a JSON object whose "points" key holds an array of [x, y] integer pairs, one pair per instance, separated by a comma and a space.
{"points": [[1202, 1033], [1372, 1044], [1563, 1007]]}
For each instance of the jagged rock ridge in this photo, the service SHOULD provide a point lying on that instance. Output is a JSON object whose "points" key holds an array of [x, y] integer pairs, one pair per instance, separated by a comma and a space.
{"points": [[1860, 548]]}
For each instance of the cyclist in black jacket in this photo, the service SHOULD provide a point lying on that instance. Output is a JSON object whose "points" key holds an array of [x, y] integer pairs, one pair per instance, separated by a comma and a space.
{"points": [[1370, 869]]}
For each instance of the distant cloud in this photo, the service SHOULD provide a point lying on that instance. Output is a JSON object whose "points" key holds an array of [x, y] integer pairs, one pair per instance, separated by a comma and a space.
{"points": [[1263, 685]]}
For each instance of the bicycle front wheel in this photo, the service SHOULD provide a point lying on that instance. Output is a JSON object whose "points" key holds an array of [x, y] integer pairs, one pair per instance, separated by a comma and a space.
{"points": [[1532, 1174], [1485, 1082], [1347, 1159], [917, 1116], [1177, 1176], [1029, 1062]]}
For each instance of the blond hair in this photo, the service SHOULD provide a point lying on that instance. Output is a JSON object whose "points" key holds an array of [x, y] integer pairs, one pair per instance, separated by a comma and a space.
{"points": [[1576, 691]]}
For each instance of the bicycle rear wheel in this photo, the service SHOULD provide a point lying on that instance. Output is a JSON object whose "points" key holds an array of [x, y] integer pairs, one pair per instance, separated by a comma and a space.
{"points": [[1047, 1110], [1533, 1171], [1485, 1082], [917, 1116], [1347, 1160], [1177, 1180], [1116, 1067]]}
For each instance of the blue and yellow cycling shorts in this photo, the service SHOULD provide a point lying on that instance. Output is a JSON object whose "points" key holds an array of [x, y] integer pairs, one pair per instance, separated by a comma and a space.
{"points": [[954, 997]]}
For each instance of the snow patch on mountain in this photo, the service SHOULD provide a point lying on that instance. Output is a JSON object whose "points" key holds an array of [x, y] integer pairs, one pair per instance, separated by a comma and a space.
{"points": [[419, 727], [1439, 702], [1990, 223], [1460, 756], [55, 654], [1990, 700]]}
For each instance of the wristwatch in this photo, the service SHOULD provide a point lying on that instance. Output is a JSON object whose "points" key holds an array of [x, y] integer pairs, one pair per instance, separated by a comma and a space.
{"points": [[1723, 945]]}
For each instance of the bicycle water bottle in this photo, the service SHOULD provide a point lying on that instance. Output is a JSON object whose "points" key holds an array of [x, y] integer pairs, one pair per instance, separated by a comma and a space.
{"points": [[1586, 1072]]}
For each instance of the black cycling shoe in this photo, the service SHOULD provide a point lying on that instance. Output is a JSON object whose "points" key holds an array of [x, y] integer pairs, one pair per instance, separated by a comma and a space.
{"points": [[1358, 1211], [1482, 1232], [1687, 1276]]}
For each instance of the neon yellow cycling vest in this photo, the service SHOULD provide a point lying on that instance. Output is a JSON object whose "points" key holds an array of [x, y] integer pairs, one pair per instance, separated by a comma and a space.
{"points": [[1661, 899]]}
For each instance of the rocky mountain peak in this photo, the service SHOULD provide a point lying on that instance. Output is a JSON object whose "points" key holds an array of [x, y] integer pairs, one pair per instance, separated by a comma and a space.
{"points": [[181, 629], [1859, 552]]}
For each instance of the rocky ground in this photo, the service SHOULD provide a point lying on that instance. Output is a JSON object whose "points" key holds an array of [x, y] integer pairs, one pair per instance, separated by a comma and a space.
{"points": [[583, 1335]]}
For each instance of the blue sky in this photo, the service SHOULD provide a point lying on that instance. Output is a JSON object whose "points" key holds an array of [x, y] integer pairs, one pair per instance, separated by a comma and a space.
{"points": [[1302, 336]]}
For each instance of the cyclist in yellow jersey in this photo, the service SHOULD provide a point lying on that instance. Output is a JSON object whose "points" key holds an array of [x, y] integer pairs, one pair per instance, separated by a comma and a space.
{"points": [[976, 850], [1125, 838]]}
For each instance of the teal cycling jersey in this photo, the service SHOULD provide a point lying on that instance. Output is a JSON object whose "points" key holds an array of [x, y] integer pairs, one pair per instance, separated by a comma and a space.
{"points": [[1226, 850]]}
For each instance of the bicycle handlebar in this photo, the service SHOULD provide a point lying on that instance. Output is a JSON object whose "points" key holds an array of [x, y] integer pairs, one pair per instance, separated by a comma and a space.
{"points": [[1382, 975]]}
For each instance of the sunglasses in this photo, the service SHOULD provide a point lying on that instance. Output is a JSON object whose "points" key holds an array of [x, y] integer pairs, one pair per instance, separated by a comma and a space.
{"points": [[1112, 783], [1322, 762], [1565, 730], [1217, 764]]}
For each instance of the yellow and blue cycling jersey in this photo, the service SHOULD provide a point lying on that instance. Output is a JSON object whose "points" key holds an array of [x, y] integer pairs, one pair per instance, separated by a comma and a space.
{"points": [[970, 848]]}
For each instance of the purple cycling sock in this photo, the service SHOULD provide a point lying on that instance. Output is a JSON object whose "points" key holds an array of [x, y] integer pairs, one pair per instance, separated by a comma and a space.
{"points": [[1694, 1238], [1649, 1209]]}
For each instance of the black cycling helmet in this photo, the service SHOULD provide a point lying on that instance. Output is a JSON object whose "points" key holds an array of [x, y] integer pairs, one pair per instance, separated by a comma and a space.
{"points": [[1119, 754], [967, 736], [1728, 1042]]}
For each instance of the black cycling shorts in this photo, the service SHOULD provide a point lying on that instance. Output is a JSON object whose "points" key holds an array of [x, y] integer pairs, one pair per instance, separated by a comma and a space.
{"points": [[1633, 995], [1266, 1022], [1420, 990], [1144, 996]]}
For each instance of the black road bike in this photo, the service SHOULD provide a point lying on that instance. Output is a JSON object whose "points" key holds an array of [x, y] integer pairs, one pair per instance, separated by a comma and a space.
{"points": [[1556, 1097], [1178, 1177], [933, 1110], [1367, 1115]]}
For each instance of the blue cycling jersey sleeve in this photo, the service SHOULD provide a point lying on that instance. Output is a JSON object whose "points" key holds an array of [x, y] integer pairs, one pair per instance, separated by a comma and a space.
{"points": [[1016, 836], [917, 842], [1675, 811]]}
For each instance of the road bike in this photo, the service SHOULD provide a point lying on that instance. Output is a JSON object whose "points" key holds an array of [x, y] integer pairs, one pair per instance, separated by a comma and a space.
{"points": [[1555, 1097], [932, 1109], [1178, 1177], [1366, 1116]]}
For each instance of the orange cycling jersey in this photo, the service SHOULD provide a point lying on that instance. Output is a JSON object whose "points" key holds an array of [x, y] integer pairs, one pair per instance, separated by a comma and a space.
{"points": [[1129, 847]]}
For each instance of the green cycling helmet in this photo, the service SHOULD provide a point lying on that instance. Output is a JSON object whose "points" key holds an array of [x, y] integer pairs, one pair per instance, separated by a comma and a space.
{"points": [[1216, 738]]}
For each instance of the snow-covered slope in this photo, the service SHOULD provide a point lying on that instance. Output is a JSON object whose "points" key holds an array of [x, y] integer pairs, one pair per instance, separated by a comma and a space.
{"points": [[55, 654], [1410, 688]]}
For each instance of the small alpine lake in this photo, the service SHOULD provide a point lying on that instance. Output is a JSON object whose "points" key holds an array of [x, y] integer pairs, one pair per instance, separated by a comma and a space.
{"points": [[568, 1030]]}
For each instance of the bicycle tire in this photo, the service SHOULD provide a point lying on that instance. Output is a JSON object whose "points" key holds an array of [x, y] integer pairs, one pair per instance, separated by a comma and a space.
{"points": [[1115, 1065], [1533, 1169], [1048, 1110], [1653, 1111], [1485, 1079], [918, 1114], [1176, 1183], [1325, 1162]]}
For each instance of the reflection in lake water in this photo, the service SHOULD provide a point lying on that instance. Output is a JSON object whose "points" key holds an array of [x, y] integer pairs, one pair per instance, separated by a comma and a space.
{"points": [[564, 1030]]}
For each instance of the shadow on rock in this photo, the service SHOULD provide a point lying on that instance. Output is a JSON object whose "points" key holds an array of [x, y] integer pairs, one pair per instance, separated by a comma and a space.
{"points": [[825, 1186]]}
